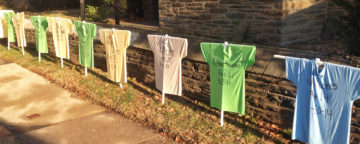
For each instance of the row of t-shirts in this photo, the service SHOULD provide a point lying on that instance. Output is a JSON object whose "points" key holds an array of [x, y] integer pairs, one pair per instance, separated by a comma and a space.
{"points": [[61, 28], [325, 96], [3, 25], [12, 27], [116, 42]]}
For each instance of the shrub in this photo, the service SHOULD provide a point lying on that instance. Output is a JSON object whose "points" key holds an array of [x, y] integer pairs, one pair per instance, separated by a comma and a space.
{"points": [[349, 25], [96, 14]]}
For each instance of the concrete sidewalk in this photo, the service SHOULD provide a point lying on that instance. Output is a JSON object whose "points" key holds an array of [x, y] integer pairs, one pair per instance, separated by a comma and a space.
{"points": [[36, 111]]}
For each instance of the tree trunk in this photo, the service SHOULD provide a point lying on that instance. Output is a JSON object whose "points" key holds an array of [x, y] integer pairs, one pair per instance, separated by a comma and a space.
{"points": [[117, 12], [82, 9]]}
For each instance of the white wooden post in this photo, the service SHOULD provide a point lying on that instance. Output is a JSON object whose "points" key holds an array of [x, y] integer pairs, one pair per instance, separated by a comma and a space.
{"points": [[86, 71], [59, 33], [39, 23], [222, 112], [23, 39], [222, 118], [62, 62], [39, 56], [22, 47], [163, 98], [121, 85]]}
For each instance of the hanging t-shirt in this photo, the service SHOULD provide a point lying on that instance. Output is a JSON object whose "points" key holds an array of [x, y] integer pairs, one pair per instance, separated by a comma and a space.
{"points": [[3, 30], [3, 25], [227, 74], [40, 25], [116, 42], [18, 20], [324, 100], [60, 28], [86, 33], [10, 26], [168, 53]]}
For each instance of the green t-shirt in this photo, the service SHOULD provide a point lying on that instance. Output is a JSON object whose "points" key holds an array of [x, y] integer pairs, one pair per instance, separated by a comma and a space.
{"points": [[86, 33], [10, 26], [40, 25], [227, 74]]}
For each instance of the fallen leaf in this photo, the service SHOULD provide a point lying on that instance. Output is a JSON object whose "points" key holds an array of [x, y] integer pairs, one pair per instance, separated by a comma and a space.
{"points": [[273, 126], [32, 116]]}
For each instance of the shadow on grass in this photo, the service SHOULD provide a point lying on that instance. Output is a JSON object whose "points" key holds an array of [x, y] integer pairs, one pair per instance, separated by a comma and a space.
{"points": [[230, 118]]}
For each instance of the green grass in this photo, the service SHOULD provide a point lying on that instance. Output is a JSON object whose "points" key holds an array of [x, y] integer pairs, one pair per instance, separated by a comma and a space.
{"points": [[179, 118]]}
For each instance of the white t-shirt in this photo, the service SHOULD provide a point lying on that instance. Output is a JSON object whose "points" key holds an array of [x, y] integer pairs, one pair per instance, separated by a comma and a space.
{"points": [[168, 53]]}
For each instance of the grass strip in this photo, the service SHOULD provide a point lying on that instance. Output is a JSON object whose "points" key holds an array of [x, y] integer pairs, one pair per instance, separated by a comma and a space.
{"points": [[179, 118]]}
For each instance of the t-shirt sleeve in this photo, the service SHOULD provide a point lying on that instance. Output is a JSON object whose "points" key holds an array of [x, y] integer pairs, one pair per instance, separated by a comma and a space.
{"points": [[206, 51], [93, 27], [33, 21], [152, 42], [70, 24], [251, 56], [50, 24], [294, 67], [46, 23], [102, 36], [354, 82], [77, 25], [184, 50], [128, 39]]}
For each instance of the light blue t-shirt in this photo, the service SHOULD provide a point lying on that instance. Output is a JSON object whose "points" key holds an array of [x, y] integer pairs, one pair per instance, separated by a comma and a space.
{"points": [[324, 100]]}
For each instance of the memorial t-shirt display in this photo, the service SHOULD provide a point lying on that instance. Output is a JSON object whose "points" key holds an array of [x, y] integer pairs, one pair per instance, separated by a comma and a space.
{"points": [[10, 26], [18, 20], [86, 33], [227, 74], [324, 100], [116, 42], [60, 29], [168, 53], [40, 25]]}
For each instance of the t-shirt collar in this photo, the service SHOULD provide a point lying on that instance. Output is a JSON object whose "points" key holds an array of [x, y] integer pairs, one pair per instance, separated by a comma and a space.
{"points": [[318, 70]]}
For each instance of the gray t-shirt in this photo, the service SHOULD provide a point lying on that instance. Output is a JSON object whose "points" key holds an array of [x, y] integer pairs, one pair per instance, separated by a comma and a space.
{"points": [[168, 53]]}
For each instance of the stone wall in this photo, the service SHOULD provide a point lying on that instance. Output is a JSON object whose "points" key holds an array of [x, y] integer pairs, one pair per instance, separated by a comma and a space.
{"points": [[226, 20], [303, 20], [269, 96], [271, 22]]}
